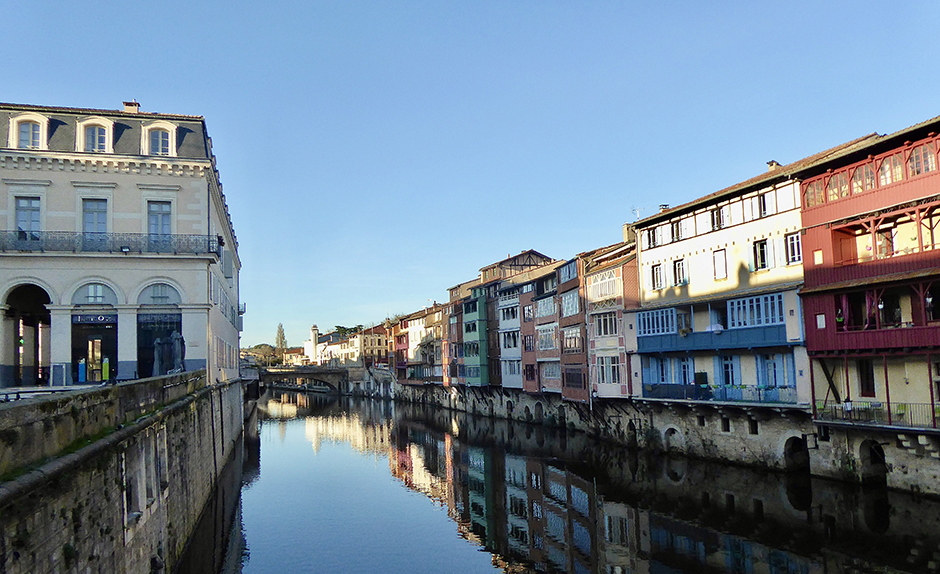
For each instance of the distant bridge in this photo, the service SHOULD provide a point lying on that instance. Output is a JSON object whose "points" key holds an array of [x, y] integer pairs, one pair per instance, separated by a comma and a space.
{"points": [[335, 378]]}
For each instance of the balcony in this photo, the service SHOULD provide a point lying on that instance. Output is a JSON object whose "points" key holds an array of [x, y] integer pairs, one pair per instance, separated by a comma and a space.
{"points": [[73, 242], [747, 394], [770, 336], [906, 415]]}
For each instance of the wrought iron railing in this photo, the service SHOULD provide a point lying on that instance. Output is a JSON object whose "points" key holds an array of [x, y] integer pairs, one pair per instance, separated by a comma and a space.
{"points": [[751, 394], [70, 241], [918, 415]]}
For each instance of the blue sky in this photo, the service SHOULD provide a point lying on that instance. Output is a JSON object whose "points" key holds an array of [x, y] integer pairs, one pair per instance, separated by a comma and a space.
{"points": [[374, 154]]}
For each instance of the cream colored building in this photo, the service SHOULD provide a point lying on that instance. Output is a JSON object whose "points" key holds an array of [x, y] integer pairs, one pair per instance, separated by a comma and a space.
{"points": [[119, 259]]}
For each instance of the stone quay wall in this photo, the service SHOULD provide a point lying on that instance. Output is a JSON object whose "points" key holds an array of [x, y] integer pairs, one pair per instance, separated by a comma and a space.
{"points": [[128, 501], [775, 437]]}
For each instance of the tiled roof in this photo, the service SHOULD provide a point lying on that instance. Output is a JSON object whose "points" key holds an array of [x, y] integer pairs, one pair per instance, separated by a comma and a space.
{"points": [[93, 111]]}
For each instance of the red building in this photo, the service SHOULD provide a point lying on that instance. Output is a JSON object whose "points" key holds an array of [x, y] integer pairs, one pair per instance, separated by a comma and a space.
{"points": [[871, 218]]}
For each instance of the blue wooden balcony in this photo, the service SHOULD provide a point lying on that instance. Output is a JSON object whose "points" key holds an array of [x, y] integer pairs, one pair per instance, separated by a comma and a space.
{"points": [[770, 336], [746, 394]]}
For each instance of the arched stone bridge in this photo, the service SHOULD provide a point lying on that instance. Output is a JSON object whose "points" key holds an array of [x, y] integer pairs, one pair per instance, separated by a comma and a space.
{"points": [[336, 378]]}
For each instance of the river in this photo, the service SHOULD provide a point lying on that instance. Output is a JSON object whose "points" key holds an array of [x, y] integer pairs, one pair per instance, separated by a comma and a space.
{"points": [[337, 485]]}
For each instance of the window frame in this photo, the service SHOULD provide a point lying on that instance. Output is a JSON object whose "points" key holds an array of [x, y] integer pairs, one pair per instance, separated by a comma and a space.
{"points": [[794, 246], [147, 131], [81, 143], [13, 139], [656, 277]]}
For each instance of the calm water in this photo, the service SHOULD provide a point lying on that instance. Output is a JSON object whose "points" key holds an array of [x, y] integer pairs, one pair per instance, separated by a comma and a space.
{"points": [[370, 487]]}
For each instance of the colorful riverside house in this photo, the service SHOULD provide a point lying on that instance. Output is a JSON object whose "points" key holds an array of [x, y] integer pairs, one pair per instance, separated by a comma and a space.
{"points": [[547, 347], [571, 332], [611, 287], [720, 318], [872, 298], [476, 356], [510, 339], [455, 373]]}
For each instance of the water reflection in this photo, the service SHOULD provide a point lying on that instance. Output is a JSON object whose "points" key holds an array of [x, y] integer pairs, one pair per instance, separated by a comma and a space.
{"points": [[545, 500]]}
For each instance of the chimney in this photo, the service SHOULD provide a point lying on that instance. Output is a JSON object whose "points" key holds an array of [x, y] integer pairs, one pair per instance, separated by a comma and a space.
{"points": [[772, 165], [131, 107], [663, 207]]}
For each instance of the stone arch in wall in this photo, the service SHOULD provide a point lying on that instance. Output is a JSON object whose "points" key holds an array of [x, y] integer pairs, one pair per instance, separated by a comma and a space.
{"points": [[539, 412], [796, 454], [673, 441], [509, 408], [528, 414], [631, 434], [874, 467], [562, 415], [26, 332]]}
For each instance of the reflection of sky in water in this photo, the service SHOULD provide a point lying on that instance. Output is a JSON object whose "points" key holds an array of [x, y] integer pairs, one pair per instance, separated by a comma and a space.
{"points": [[339, 510]]}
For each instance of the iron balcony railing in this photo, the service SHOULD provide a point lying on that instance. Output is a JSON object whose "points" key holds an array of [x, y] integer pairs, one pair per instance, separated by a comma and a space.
{"points": [[750, 394], [917, 415], [70, 241]]}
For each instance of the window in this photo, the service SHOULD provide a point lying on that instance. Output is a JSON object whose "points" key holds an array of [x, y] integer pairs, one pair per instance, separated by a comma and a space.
{"points": [[890, 170], [158, 217], [656, 276], [159, 142], [529, 342], [527, 313], [95, 293], [794, 251], [28, 135], [684, 373], [94, 215], [756, 311], [608, 370], [718, 218], [27, 218], [884, 239], [530, 372], [571, 342], [511, 340], [761, 255], [658, 371], [605, 324], [727, 370], [658, 322], [762, 210], [770, 371], [603, 286], [923, 159], [570, 303], [470, 307], [814, 194], [551, 370], [574, 379], [568, 271], [96, 139], [675, 229], [678, 272], [863, 179], [866, 377], [546, 338], [654, 237], [512, 367], [545, 307], [720, 263], [838, 186], [509, 313]]}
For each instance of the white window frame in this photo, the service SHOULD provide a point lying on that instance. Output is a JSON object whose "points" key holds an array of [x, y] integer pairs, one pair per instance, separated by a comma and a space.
{"points": [[605, 324], [95, 121], [758, 311], [608, 370], [145, 133], [547, 338], [762, 255], [570, 303], [720, 263], [656, 322], [603, 286], [568, 271], [656, 277], [545, 307], [680, 275], [794, 248], [29, 117]]}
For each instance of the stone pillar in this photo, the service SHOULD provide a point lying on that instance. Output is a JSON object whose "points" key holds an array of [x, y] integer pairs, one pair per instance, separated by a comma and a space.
{"points": [[127, 342], [7, 347], [196, 334], [60, 344]]}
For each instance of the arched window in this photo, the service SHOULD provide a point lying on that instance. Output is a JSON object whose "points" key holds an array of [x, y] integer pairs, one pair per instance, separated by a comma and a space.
{"points": [[923, 159], [159, 294], [863, 179], [94, 294], [95, 135], [28, 131], [158, 138], [890, 170]]}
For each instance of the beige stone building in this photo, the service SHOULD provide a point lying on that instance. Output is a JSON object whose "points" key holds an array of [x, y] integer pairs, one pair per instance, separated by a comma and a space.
{"points": [[119, 259]]}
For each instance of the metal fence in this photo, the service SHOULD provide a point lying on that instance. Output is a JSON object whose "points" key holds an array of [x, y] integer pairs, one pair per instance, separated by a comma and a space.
{"points": [[918, 415], [70, 241]]}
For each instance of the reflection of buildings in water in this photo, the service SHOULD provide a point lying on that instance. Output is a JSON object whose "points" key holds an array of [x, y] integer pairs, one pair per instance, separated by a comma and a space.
{"points": [[275, 409], [365, 438]]}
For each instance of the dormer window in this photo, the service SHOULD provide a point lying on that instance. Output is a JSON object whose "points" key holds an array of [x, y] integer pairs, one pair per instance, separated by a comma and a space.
{"points": [[95, 139], [28, 131], [158, 138], [28, 136], [95, 135]]}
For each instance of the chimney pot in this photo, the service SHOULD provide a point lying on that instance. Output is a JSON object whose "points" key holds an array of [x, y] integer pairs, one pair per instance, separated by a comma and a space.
{"points": [[131, 107], [772, 165]]}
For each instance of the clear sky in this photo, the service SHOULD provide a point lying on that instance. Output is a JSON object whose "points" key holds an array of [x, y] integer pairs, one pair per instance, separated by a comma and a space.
{"points": [[374, 154]]}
